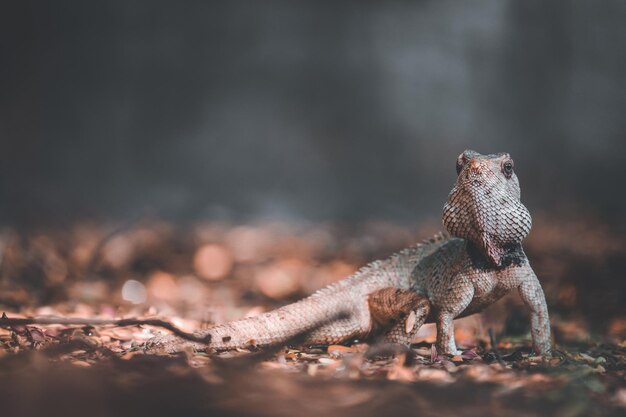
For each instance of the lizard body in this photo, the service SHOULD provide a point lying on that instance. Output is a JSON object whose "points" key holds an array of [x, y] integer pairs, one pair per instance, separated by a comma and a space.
{"points": [[451, 275]]}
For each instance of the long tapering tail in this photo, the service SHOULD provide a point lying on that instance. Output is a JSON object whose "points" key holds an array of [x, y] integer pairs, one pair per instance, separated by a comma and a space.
{"points": [[337, 313], [314, 320]]}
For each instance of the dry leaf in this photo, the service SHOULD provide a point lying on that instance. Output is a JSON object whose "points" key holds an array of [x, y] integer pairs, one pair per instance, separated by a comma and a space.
{"points": [[341, 349], [469, 355]]}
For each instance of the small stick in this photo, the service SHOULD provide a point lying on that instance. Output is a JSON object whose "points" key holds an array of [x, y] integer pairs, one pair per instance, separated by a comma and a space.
{"points": [[71, 321], [494, 347]]}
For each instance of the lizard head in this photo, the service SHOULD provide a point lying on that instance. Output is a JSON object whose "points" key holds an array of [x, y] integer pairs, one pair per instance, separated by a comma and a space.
{"points": [[484, 206]]}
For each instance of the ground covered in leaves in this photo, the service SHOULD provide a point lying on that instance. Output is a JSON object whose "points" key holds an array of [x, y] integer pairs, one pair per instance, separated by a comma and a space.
{"points": [[199, 275]]}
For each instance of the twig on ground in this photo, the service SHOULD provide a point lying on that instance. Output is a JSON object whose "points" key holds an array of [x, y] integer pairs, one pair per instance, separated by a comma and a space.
{"points": [[71, 321], [494, 347]]}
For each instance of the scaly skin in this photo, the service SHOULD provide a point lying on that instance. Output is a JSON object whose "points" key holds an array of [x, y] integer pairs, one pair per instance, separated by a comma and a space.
{"points": [[435, 281]]}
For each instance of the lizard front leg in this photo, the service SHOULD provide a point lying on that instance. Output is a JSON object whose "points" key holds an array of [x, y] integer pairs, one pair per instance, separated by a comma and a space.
{"points": [[445, 334], [532, 294], [456, 299]]}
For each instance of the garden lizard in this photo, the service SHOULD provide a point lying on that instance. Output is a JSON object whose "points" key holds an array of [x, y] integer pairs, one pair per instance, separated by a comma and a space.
{"points": [[452, 275]]}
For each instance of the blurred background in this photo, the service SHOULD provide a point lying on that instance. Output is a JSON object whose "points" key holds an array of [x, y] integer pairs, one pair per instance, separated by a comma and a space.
{"points": [[204, 116], [307, 110]]}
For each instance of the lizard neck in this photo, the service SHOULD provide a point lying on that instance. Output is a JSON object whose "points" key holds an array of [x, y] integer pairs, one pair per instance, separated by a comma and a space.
{"points": [[513, 255]]}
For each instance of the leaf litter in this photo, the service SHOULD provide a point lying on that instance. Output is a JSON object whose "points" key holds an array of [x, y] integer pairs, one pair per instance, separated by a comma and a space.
{"points": [[222, 274]]}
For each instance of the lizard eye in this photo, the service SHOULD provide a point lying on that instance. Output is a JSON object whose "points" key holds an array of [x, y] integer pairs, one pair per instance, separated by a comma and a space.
{"points": [[507, 168]]}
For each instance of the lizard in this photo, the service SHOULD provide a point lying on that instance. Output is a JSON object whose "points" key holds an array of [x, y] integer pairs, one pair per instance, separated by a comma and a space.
{"points": [[456, 273]]}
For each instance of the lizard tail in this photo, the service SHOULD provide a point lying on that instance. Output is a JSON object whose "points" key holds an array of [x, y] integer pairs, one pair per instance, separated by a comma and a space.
{"points": [[316, 320]]}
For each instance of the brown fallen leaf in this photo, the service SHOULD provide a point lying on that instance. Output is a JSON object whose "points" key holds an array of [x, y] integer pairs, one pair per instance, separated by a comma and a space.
{"points": [[37, 335], [469, 355], [341, 349], [457, 358]]}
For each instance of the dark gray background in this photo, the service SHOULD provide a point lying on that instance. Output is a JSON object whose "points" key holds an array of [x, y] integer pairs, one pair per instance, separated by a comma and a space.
{"points": [[305, 110]]}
